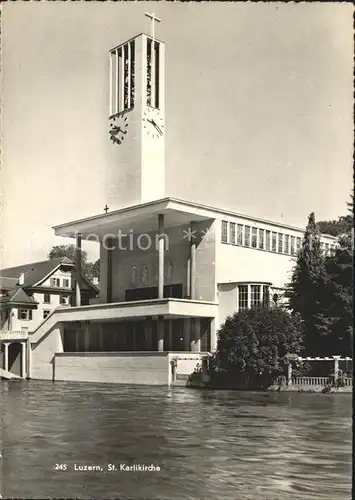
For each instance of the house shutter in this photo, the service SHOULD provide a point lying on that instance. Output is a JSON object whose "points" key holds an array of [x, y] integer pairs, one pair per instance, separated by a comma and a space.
{"points": [[30, 314], [18, 313]]}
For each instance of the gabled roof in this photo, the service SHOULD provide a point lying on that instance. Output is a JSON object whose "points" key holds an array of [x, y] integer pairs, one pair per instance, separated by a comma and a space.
{"points": [[18, 296], [35, 272]]}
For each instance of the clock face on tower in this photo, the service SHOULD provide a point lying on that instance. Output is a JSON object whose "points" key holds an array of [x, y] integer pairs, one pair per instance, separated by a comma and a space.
{"points": [[153, 123], [118, 128]]}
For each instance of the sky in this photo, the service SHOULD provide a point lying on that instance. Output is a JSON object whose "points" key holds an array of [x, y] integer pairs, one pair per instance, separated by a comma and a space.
{"points": [[258, 110]]}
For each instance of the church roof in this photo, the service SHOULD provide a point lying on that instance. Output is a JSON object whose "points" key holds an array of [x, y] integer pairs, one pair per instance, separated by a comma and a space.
{"points": [[35, 271]]}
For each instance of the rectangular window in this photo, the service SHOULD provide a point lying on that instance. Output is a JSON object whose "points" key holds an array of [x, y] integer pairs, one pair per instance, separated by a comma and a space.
{"points": [[25, 314], [266, 295], [247, 236], [255, 297], [55, 282], [243, 297], [224, 235], [232, 233], [261, 239], [293, 245], [254, 237], [273, 242], [280, 243], [267, 240], [298, 244], [240, 234], [65, 283], [287, 244], [153, 63], [64, 299], [47, 298], [46, 313]]}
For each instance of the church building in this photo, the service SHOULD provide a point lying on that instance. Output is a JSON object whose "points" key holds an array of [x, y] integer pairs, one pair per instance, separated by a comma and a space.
{"points": [[171, 270]]}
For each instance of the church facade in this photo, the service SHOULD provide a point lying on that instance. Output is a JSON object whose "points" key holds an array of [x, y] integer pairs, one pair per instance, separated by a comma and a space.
{"points": [[171, 270]]}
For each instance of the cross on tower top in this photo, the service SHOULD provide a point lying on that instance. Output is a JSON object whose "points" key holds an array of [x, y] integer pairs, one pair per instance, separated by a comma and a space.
{"points": [[153, 19]]}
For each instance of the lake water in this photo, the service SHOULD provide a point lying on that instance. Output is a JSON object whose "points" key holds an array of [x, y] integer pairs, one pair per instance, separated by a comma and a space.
{"points": [[207, 444]]}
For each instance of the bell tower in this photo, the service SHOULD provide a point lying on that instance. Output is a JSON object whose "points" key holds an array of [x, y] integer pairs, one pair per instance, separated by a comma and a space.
{"points": [[136, 170]]}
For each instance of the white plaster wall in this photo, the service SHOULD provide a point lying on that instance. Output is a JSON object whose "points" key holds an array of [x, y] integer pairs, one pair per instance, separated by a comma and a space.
{"points": [[42, 356], [113, 368]]}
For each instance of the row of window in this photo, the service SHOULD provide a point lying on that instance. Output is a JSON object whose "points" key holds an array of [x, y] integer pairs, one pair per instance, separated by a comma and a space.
{"points": [[263, 239], [142, 277], [63, 298], [250, 296], [60, 283]]}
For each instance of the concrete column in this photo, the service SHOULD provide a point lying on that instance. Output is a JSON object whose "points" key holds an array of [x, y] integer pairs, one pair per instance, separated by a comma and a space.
{"points": [[110, 246], [23, 359], [249, 296], [29, 359], [213, 334], [161, 250], [6, 356], [289, 373], [187, 329], [193, 262], [197, 335], [78, 269], [134, 337], [160, 330]]}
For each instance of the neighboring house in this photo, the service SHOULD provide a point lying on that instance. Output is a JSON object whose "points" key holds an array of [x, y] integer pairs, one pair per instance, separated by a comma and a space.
{"points": [[28, 293]]}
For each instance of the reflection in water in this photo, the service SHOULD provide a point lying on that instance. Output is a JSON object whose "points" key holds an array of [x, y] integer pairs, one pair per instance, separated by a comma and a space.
{"points": [[208, 444]]}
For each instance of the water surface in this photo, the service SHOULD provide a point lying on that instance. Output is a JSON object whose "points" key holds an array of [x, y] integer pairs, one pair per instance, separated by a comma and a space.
{"points": [[208, 444]]}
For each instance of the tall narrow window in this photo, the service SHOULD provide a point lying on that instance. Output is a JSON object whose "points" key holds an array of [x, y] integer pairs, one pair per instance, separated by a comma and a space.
{"points": [[266, 295], [157, 62], [153, 76], [280, 243], [254, 237], [122, 78], [293, 245], [149, 72], [224, 235], [261, 239], [243, 297], [298, 244], [247, 236], [273, 242], [267, 240], [240, 234], [232, 233], [287, 244], [255, 297]]}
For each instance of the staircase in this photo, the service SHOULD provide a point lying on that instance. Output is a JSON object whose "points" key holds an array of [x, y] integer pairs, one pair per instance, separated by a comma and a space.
{"points": [[8, 375]]}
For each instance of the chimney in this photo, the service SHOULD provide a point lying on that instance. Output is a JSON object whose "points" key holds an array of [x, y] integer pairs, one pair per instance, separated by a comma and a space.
{"points": [[21, 280]]}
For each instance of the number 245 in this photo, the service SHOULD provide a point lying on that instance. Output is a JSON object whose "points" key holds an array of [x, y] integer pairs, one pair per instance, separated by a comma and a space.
{"points": [[60, 467]]}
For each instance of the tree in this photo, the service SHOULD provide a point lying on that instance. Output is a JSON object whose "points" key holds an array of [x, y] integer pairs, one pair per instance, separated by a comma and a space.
{"points": [[91, 270], [252, 345], [306, 290]]}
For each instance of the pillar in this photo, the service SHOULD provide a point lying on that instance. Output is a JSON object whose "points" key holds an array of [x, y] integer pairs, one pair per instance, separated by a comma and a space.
{"points": [[110, 247], [213, 334], [192, 334], [336, 367], [193, 261], [29, 358], [134, 337], [161, 249], [101, 338], [23, 359], [160, 330], [197, 328], [289, 373], [77, 339], [6, 357], [78, 269]]}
